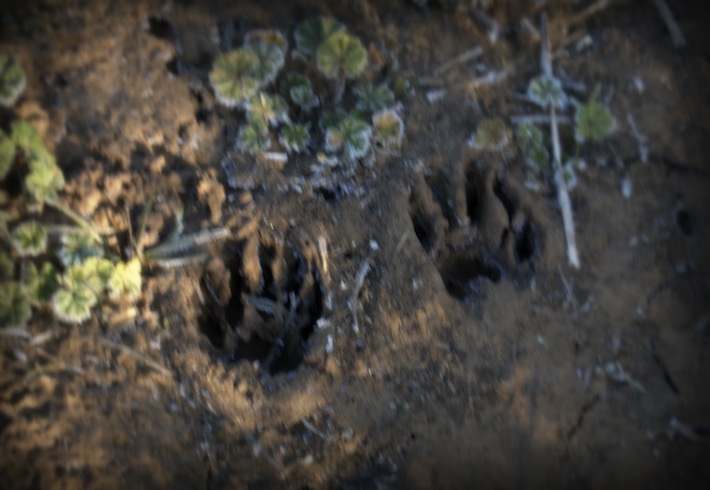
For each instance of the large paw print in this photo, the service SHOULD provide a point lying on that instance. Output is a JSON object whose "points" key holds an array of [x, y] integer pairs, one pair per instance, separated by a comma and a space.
{"points": [[474, 222]]}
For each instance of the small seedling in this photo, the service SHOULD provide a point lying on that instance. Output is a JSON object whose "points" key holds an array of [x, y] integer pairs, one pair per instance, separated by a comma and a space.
{"points": [[312, 32], [491, 135], [352, 135], [253, 138], [15, 308], [593, 122], [12, 81], [76, 248], [126, 279], [267, 110], [372, 98], [531, 141], [340, 57], [297, 88], [30, 239], [75, 298], [388, 128], [295, 137], [546, 91]]}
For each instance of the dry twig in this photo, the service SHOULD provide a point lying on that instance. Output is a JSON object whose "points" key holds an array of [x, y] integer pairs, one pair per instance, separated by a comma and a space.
{"points": [[667, 16], [562, 194]]}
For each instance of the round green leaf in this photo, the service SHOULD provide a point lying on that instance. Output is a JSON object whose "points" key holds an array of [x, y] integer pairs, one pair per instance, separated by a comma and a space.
{"points": [[30, 238], [492, 134], [372, 98], [593, 122], [312, 32], [341, 53], [547, 91], [233, 77], [388, 128], [40, 284], [126, 279]]}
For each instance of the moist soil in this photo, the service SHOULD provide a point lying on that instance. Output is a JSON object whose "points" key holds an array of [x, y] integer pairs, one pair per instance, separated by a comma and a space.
{"points": [[407, 321]]}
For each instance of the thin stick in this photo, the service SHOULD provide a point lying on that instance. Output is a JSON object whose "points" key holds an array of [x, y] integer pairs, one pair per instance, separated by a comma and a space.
{"points": [[136, 355], [667, 16], [562, 194], [359, 281], [538, 119], [469, 54]]}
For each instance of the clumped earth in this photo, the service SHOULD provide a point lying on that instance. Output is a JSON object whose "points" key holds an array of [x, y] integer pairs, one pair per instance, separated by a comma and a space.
{"points": [[409, 323]]}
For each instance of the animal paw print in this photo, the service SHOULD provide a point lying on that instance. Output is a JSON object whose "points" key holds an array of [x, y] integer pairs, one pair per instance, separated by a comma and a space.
{"points": [[263, 305], [477, 227]]}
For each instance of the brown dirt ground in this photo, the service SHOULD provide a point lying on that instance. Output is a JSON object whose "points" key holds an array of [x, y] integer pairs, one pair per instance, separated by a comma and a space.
{"points": [[474, 366]]}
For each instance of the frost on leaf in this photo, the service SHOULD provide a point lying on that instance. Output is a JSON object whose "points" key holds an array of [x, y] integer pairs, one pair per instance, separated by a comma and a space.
{"points": [[372, 98], [343, 54], [14, 305], [126, 279], [72, 303], [593, 122], [294, 137], [352, 135], [312, 32], [77, 247], [253, 138], [7, 154], [547, 91], [233, 77], [269, 59], [12, 81], [531, 141], [388, 128], [30, 239]]}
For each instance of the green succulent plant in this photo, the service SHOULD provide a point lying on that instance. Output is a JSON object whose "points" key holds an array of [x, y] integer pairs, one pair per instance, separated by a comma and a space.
{"points": [[7, 154], [295, 137], [12, 81], [352, 135], [41, 284], [30, 238], [491, 135], [253, 138], [372, 98], [267, 110], [312, 32], [593, 122], [546, 91], [387, 128], [15, 308], [233, 77]]}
